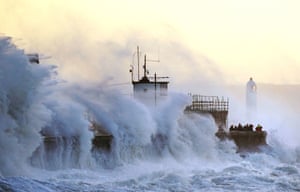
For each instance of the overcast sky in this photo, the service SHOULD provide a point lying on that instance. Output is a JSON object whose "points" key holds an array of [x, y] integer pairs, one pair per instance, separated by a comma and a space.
{"points": [[197, 42]]}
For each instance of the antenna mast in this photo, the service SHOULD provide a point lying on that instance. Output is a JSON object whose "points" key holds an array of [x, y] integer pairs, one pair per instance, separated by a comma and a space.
{"points": [[138, 61], [145, 67]]}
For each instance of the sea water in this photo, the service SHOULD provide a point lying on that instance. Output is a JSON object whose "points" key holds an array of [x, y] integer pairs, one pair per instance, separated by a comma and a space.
{"points": [[190, 158]]}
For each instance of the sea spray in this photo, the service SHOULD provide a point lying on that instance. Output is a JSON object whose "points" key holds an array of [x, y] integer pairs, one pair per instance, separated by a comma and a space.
{"points": [[73, 110], [172, 132], [134, 125], [68, 131], [131, 124], [34, 106], [63, 112], [167, 116], [19, 106]]}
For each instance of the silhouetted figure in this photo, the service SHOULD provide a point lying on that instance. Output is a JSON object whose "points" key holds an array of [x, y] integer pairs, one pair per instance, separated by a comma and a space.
{"points": [[250, 127], [240, 127], [258, 128]]}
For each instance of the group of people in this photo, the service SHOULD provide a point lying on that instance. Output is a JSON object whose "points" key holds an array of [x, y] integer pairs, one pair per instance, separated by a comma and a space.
{"points": [[247, 127]]}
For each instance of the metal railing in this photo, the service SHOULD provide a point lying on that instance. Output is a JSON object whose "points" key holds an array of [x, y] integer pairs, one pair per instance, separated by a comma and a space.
{"points": [[208, 103]]}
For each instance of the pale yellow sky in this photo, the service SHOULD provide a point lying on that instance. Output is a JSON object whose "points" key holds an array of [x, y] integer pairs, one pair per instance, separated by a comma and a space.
{"points": [[224, 41]]}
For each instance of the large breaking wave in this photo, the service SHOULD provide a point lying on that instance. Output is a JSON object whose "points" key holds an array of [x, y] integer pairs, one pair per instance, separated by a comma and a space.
{"points": [[34, 102]]}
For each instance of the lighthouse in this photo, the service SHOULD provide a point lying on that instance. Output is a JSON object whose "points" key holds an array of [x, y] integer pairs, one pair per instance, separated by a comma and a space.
{"points": [[251, 99], [148, 89]]}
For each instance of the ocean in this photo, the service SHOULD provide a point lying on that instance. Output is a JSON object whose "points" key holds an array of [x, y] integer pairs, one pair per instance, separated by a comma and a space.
{"points": [[34, 101]]}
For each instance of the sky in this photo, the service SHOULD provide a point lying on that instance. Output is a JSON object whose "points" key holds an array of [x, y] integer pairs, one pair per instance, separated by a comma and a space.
{"points": [[198, 42]]}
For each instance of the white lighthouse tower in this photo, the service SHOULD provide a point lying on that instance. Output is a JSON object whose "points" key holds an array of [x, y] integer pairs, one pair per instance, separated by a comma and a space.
{"points": [[251, 99], [149, 90]]}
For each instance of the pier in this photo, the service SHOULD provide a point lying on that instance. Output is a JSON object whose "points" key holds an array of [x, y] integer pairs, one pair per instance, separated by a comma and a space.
{"points": [[245, 138], [216, 106]]}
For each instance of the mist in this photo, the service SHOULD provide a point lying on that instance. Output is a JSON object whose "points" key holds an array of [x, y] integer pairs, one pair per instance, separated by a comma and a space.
{"points": [[86, 48], [277, 110], [93, 55], [38, 103]]}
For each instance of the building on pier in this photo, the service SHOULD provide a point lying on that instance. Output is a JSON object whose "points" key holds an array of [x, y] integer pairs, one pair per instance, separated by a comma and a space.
{"points": [[148, 89]]}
